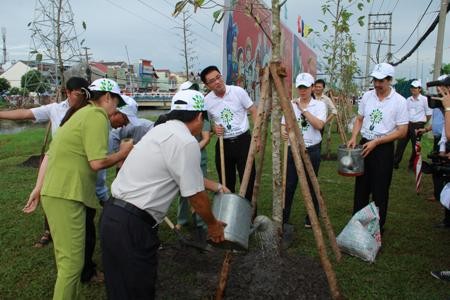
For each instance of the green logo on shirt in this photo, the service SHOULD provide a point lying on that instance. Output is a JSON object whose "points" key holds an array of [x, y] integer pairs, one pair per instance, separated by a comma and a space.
{"points": [[227, 116], [376, 116]]}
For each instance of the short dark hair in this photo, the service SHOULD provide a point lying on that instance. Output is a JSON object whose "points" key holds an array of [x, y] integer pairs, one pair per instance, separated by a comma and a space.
{"points": [[206, 71], [75, 83], [320, 81], [184, 116]]}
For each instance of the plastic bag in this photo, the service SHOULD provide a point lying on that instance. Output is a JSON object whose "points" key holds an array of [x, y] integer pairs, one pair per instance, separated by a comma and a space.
{"points": [[361, 236], [445, 196]]}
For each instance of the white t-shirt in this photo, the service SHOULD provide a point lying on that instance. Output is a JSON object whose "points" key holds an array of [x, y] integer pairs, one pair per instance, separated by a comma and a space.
{"points": [[54, 112], [230, 111], [418, 109], [311, 135], [382, 117], [164, 162]]}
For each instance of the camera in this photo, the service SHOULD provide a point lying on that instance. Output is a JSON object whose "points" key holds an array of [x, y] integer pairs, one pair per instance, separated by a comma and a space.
{"points": [[434, 101], [442, 82], [439, 166]]}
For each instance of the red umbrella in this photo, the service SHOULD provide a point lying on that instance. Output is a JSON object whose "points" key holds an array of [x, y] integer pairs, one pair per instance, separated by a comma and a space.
{"points": [[417, 166]]}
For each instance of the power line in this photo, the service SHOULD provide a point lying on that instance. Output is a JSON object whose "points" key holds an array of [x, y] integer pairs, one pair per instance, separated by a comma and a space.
{"points": [[420, 41], [415, 28], [395, 5], [379, 9]]}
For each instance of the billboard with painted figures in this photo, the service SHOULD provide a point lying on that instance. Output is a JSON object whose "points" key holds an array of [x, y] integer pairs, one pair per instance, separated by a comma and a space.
{"points": [[248, 48]]}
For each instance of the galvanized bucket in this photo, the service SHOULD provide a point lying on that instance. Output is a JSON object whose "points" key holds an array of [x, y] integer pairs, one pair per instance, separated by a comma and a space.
{"points": [[236, 212], [350, 161]]}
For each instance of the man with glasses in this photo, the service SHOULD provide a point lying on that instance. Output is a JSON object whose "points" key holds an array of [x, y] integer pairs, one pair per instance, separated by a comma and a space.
{"points": [[227, 106], [382, 118]]}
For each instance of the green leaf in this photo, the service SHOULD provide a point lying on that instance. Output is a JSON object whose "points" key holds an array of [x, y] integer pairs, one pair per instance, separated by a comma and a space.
{"points": [[325, 27], [84, 25], [179, 7], [216, 14], [360, 6]]}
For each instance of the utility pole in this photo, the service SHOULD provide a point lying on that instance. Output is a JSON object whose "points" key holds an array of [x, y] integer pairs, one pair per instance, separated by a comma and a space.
{"points": [[440, 40], [4, 44], [378, 23], [54, 38], [130, 73], [88, 67]]}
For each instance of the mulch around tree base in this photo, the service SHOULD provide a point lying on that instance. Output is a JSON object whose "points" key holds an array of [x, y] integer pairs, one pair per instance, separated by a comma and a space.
{"points": [[184, 273]]}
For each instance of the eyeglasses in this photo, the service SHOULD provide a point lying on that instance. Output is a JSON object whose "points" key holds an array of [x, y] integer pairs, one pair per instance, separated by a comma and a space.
{"points": [[218, 77]]}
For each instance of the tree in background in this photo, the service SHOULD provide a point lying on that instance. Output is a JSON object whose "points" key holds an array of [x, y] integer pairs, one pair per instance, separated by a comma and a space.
{"points": [[445, 69], [4, 85], [33, 81]]}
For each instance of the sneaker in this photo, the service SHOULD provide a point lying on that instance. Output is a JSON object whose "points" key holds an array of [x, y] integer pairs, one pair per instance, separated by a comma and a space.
{"points": [[442, 275]]}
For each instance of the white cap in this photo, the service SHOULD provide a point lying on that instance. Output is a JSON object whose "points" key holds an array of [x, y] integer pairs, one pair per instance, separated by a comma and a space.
{"points": [[442, 77], [107, 85], [304, 79], [416, 83], [189, 100], [130, 110], [382, 71]]}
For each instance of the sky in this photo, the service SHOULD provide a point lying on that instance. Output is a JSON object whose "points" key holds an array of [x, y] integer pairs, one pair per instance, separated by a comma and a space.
{"points": [[147, 29]]}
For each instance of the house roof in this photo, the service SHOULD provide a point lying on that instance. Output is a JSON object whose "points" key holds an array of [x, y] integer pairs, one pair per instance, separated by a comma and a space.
{"points": [[99, 66]]}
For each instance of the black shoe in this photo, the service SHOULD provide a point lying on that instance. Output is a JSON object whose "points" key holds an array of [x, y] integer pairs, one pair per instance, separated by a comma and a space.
{"points": [[442, 226], [442, 275]]}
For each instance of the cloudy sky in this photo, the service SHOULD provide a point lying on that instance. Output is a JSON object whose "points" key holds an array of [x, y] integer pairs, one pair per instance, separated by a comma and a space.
{"points": [[148, 31]]}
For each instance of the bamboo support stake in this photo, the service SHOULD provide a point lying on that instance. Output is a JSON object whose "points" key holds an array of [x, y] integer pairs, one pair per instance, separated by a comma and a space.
{"points": [[223, 275], [256, 135], [297, 147], [283, 181], [265, 93]]}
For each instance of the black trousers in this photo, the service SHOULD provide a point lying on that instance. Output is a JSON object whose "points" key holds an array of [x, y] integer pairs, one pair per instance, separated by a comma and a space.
{"points": [[401, 144], [89, 268], [236, 152], [129, 252], [376, 181], [292, 180]]}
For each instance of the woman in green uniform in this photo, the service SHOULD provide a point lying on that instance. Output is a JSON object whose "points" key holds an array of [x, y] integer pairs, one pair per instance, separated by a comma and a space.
{"points": [[78, 151]]}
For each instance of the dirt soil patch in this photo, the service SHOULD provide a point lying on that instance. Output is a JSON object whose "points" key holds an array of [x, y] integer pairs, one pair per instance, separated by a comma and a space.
{"points": [[32, 162], [184, 273]]}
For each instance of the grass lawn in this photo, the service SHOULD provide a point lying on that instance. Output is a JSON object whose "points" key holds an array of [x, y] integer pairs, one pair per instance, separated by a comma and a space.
{"points": [[411, 246]]}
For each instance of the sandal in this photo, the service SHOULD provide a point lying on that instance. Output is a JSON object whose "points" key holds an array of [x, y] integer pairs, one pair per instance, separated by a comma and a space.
{"points": [[45, 239]]}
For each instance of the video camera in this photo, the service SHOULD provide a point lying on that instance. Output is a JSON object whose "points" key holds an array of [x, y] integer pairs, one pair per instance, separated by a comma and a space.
{"points": [[434, 101], [439, 166]]}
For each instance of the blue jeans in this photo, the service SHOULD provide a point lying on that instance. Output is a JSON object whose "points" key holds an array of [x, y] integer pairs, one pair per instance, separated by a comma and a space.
{"points": [[292, 180]]}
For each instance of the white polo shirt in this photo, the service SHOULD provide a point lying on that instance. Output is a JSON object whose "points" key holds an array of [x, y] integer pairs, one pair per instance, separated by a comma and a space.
{"points": [[311, 135], [418, 109], [54, 112], [382, 117], [230, 111], [164, 162]]}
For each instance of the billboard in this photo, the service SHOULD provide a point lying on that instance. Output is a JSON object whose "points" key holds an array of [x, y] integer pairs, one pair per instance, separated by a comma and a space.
{"points": [[146, 67], [248, 49]]}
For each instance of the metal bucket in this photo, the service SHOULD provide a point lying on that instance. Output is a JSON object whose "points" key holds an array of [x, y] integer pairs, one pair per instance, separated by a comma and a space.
{"points": [[236, 212], [350, 161]]}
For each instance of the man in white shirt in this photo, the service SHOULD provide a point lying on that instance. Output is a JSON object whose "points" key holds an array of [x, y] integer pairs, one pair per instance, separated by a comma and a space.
{"points": [[227, 107], [419, 115], [382, 118], [164, 163], [319, 87]]}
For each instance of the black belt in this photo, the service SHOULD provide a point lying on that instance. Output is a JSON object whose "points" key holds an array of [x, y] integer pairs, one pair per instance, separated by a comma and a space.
{"points": [[142, 214], [236, 138]]}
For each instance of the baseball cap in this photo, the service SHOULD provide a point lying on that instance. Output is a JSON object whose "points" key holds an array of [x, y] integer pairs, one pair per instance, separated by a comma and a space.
{"points": [[130, 110], [107, 85], [188, 100], [189, 86], [442, 77], [383, 70], [416, 83], [304, 79]]}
